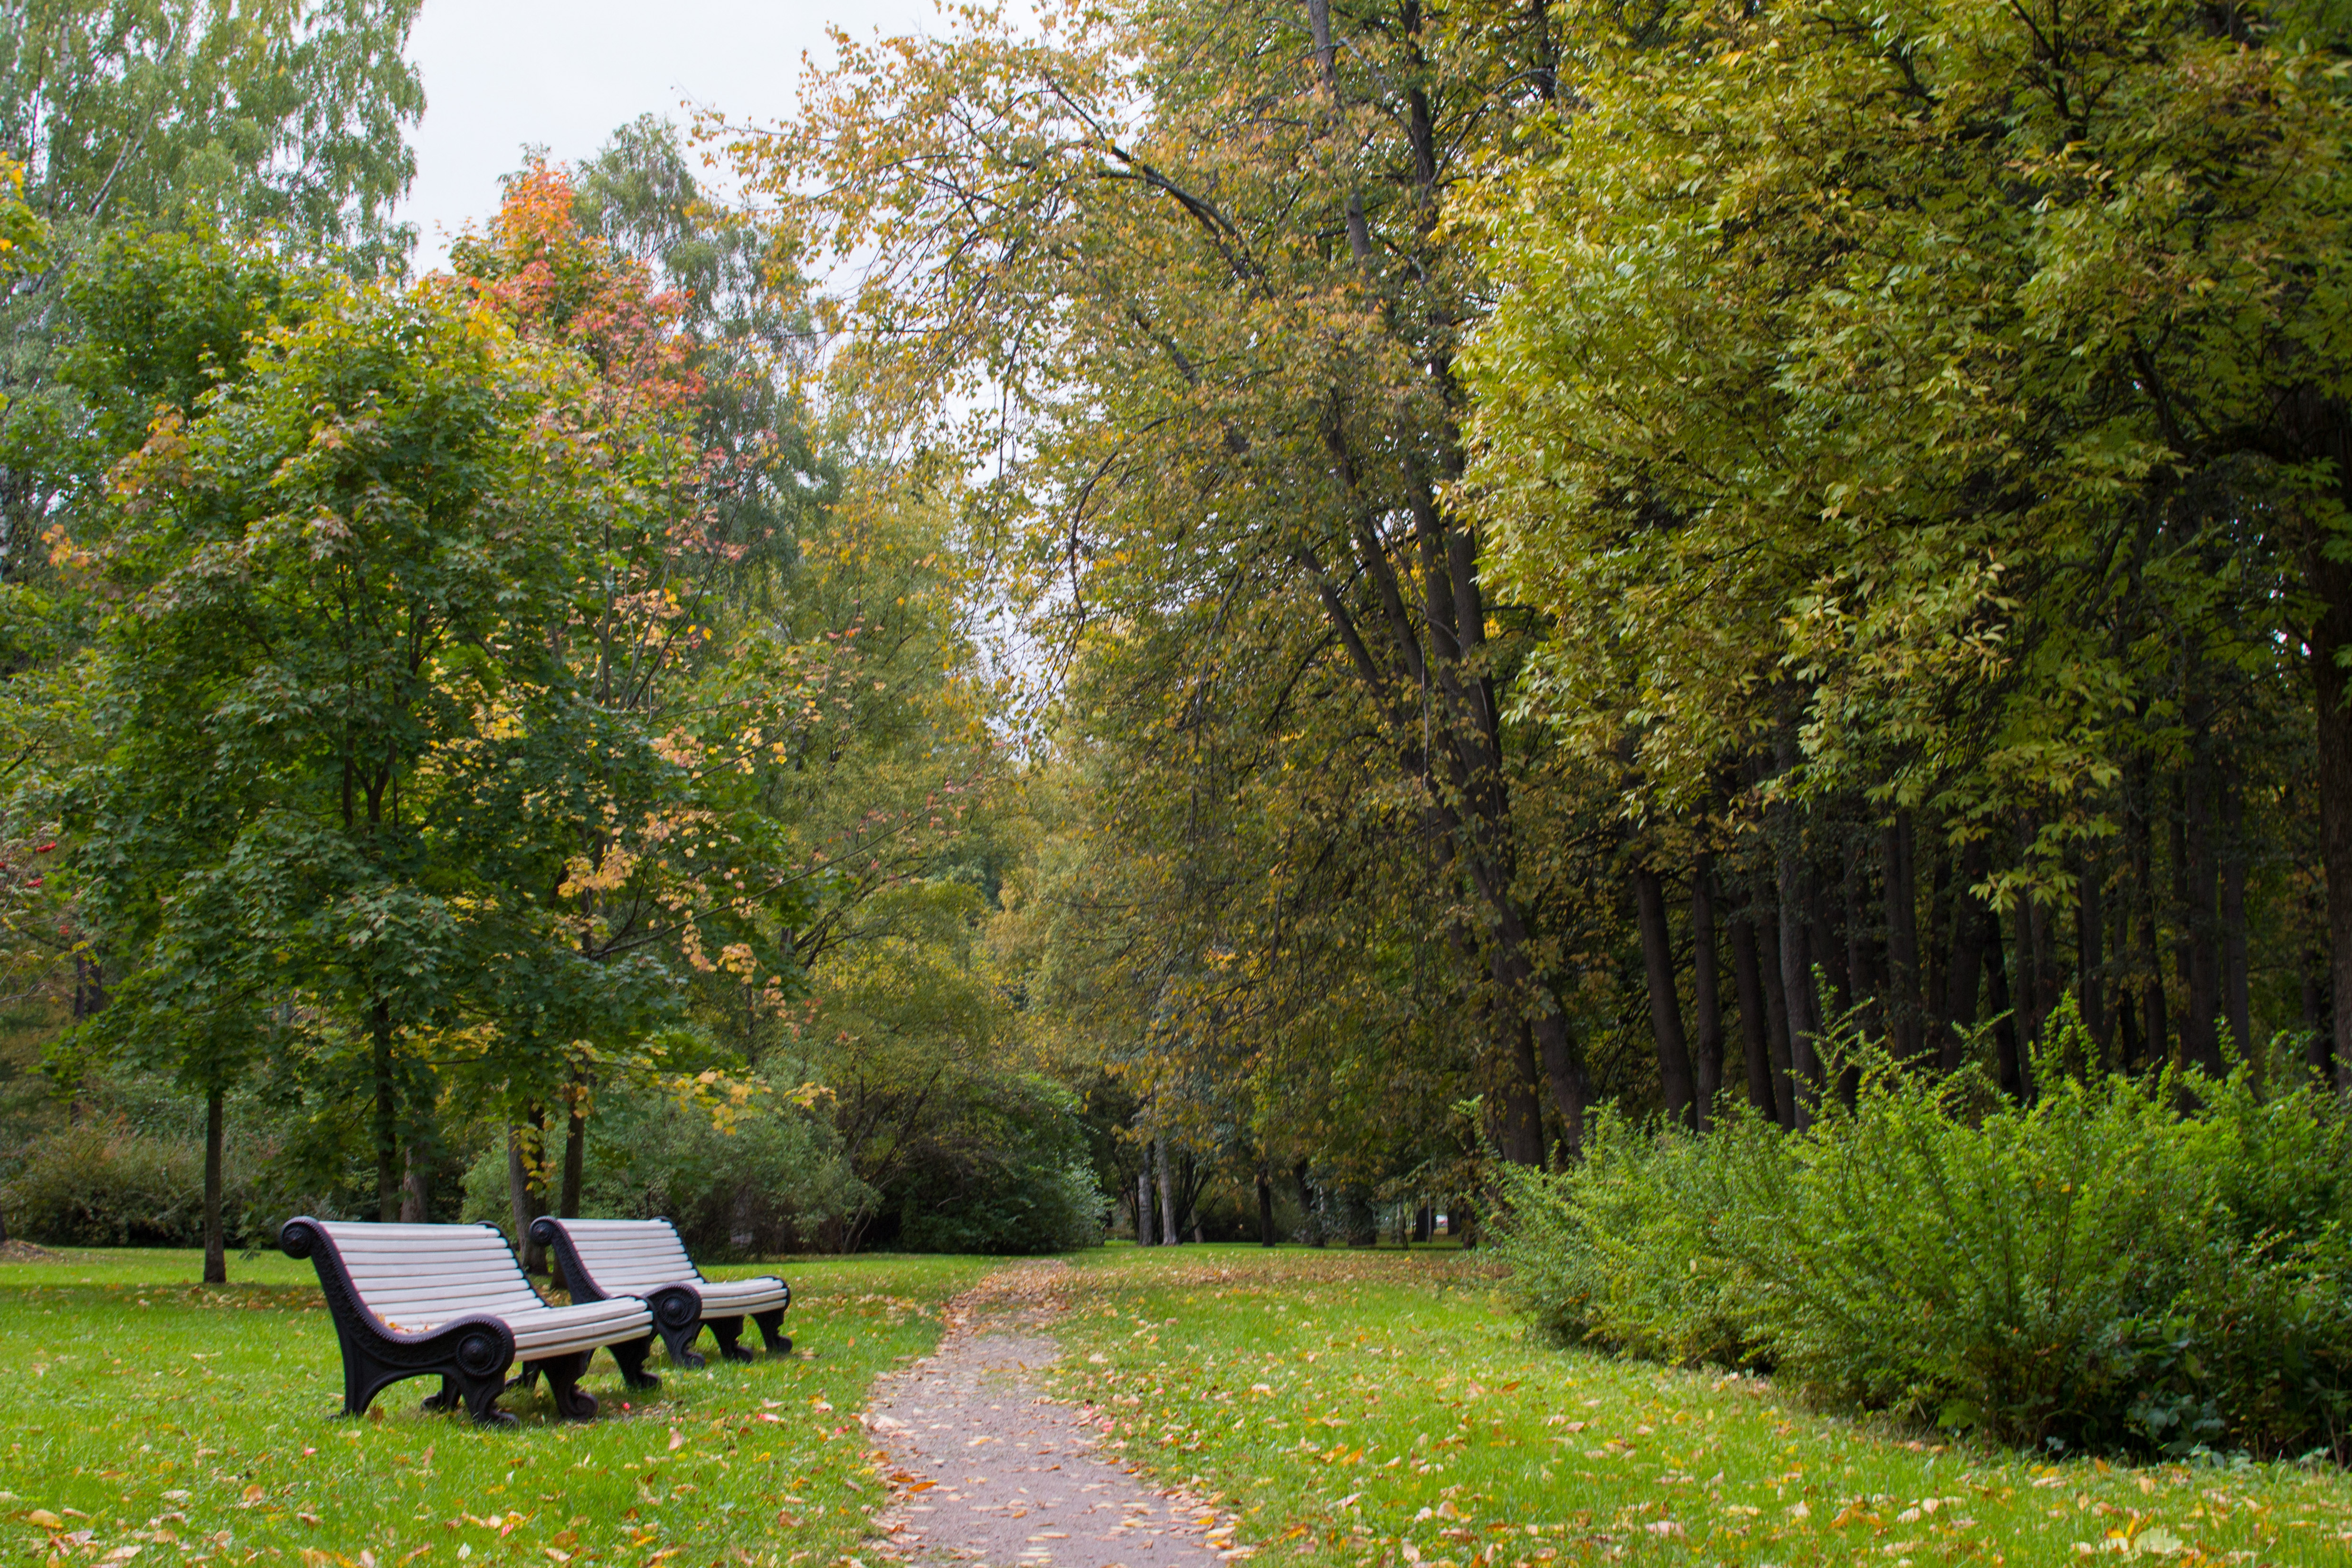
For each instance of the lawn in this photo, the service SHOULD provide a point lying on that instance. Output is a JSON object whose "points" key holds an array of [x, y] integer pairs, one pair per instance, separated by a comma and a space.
{"points": [[1384, 1407], [147, 1416]]}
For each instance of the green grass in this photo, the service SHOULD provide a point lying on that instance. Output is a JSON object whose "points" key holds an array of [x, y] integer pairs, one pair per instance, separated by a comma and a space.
{"points": [[200, 1424], [1382, 1408]]}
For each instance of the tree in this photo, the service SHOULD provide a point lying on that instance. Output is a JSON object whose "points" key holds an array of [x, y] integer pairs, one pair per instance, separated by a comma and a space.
{"points": [[1195, 259], [326, 592], [244, 118]]}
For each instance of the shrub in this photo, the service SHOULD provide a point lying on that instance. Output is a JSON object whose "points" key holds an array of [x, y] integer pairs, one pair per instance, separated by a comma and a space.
{"points": [[100, 1184], [1016, 1179], [2103, 1268], [767, 1182]]}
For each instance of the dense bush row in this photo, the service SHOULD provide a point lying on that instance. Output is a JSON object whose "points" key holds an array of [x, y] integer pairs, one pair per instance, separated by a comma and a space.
{"points": [[2123, 1265], [1005, 1170]]}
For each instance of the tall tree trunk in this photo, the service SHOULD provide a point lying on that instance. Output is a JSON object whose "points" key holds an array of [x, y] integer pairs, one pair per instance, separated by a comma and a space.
{"points": [[1521, 1122], [1560, 1070], [2007, 1060], [575, 1151], [1779, 1036], [2090, 962], [1307, 1203], [526, 1191], [2318, 1051], [388, 1113], [1861, 965], [1665, 1006], [216, 1235], [1170, 1236], [1938, 945], [1797, 983], [1755, 1041], [1974, 930], [2202, 971], [519, 1207], [1707, 1002], [1265, 1204], [2237, 1003], [2155, 1031], [416, 1183], [1143, 1200], [2323, 430], [1900, 897]]}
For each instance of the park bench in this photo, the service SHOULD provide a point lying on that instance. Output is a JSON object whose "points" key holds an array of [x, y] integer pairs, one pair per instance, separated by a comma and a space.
{"points": [[600, 1258], [410, 1301]]}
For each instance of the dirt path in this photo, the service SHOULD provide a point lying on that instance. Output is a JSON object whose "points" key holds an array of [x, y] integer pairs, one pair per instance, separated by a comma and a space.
{"points": [[985, 1469]]}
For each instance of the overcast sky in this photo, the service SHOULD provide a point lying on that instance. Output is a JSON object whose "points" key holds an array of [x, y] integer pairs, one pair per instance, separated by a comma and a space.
{"points": [[564, 73]]}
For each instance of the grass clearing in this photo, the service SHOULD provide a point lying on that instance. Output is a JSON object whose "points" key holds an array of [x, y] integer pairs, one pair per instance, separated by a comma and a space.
{"points": [[1384, 1407], [198, 1424]]}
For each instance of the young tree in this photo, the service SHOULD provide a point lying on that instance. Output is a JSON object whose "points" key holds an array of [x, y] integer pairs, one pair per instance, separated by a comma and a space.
{"points": [[324, 592]]}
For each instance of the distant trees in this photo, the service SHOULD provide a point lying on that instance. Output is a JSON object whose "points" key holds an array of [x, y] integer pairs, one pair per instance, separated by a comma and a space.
{"points": [[1586, 555]]}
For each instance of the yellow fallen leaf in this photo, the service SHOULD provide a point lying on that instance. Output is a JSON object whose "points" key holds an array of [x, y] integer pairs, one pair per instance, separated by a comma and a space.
{"points": [[43, 1518]]}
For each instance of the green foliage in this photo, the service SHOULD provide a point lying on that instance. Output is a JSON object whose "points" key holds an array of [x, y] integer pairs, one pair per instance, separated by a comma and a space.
{"points": [[2099, 1269], [1010, 1173], [769, 1180], [102, 1184]]}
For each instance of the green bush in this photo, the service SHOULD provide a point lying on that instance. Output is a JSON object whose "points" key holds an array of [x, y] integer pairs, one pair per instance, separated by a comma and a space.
{"points": [[2102, 1268], [101, 1184], [769, 1180], [1017, 1178]]}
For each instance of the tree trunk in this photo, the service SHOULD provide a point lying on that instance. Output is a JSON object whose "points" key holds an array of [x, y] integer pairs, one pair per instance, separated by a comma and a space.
{"points": [[524, 1199], [1665, 1007], [1861, 966], [1973, 930], [2008, 1063], [2090, 962], [1939, 946], [1755, 1045], [2202, 1028], [2156, 1029], [1264, 1205], [1143, 1200], [1560, 1070], [576, 1153], [1307, 1204], [216, 1237], [2021, 999], [1707, 1002], [388, 1113], [1170, 1236], [2237, 1004], [1902, 916], [1521, 1122], [417, 1184], [2330, 641], [1797, 985], [1776, 1032]]}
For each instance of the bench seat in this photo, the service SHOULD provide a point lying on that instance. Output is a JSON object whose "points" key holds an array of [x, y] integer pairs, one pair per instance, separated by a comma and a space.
{"points": [[410, 1301], [604, 1258]]}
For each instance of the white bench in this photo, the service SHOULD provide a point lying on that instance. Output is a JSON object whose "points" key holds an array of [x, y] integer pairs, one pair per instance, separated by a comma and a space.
{"points": [[410, 1301], [604, 1258]]}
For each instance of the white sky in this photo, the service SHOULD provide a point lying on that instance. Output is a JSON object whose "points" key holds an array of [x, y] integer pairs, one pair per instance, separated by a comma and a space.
{"points": [[566, 73]]}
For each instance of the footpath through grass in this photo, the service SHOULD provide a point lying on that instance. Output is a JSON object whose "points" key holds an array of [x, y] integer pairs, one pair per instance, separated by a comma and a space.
{"points": [[144, 1416], [1383, 1407]]}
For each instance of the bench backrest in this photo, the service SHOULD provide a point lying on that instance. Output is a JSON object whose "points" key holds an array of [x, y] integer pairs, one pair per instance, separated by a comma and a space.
{"points": [[627, 1255], [411, 1274]]}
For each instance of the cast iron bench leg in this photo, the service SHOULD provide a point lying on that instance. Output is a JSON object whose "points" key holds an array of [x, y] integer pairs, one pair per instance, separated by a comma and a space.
{"points": [[631, 1354], [563, 1373], [727, 1330], [770, 1322]]}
